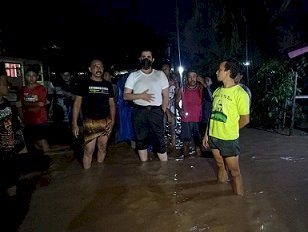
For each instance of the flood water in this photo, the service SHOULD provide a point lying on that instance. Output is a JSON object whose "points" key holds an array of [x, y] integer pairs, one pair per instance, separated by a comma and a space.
{"points": [[181, 195]]}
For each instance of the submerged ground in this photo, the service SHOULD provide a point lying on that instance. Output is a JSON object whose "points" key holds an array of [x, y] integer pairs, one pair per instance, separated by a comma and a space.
{"points": [[181, 195]]}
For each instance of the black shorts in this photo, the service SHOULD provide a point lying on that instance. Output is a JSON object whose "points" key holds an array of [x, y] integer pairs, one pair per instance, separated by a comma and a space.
{"points": [[227, 148], [191, 130]]}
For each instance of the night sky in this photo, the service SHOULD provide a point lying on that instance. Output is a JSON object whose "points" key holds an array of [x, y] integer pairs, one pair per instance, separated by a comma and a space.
{"points": [[64, 30], [115, 29]]}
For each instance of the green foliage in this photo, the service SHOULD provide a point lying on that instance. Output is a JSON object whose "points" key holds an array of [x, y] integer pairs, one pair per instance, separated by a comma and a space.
{"points": [[212, 33], [272, 88]]}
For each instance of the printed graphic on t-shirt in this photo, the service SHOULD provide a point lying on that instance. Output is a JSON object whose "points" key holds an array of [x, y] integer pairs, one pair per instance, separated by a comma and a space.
{"points": [[31, 98], [6, 130], [5, 113], [98, 90], [217, 113], [171, 91]]}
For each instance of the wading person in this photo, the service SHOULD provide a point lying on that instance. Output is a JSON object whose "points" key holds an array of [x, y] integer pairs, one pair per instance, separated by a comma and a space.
{"points": [[148, 88], [191, 111], [230, 113], [95, 97]]}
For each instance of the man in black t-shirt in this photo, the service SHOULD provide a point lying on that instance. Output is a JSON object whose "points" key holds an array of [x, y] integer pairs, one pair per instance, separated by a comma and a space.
{"points": [[95, 97]]}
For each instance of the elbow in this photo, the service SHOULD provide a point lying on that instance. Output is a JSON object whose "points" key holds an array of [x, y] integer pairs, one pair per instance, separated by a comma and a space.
{"points": [[246, 123], [247, 120]]}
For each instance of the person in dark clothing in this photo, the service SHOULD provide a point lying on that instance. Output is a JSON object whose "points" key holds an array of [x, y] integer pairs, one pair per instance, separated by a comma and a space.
{"points": [[11, 142], [95, 98]]}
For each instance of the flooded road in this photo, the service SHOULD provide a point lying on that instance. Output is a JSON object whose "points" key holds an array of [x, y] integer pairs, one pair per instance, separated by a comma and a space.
{"points": [[181, 195]]}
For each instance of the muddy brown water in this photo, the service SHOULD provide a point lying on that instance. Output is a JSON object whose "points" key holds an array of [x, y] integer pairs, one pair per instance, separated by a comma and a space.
{"points": [[181, 195]]}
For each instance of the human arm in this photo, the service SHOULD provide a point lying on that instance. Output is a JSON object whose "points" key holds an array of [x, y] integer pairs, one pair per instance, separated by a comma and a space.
{"points": [[177, 102], [244, 120], [34, 105], [19, 109], [165, 97], [130, 96], [76, 111], [177, 88], [243, 109], [68, 94], [18, 133], [112, 108], [39, 99], [201, 81], [205, 138]]}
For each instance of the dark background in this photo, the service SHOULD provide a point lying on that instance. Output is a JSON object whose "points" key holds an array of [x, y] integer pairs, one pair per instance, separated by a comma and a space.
{"points": [[72, 32]]}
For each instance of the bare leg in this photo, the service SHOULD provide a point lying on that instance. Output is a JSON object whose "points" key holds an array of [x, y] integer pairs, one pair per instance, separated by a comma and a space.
{"points": [[45, 145], [102, 148], [198, 151], [42, 145], [88, 153], [222, 175], [237, 184], [162, 156], [186, 149], [143, 155]]}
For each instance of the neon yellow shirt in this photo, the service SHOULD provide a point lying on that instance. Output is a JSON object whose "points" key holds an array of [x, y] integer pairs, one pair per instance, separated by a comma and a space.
{"points": [[228, 105]]}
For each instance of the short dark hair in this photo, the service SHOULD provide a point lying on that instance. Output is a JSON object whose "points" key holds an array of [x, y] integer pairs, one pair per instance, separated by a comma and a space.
{"points": [[234, 67], [145, 49], [33, 69], [192, 69], [166, 64]]}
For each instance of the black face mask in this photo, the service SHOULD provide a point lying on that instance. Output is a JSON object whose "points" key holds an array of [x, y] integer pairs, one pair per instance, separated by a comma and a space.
{"points": [[146, 64]]}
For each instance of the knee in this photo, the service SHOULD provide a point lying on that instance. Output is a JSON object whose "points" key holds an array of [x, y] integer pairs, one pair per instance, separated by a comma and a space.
{"points": [[235, 172], [102, 147], [220, 162], [88, 151]]}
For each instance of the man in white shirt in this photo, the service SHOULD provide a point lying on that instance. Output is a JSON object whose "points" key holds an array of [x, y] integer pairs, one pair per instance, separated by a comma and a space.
{"points": [[148, 89]]}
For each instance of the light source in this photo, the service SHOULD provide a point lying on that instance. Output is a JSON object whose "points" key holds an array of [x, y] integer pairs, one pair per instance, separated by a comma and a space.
{"points": [[181, 70]]}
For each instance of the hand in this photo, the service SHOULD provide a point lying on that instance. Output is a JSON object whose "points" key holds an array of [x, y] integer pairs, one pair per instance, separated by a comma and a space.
{"points": [[201, 80], [75, 130], [182, 113], [41, 104], [205, 141], [147, 96], [109, 130]]}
